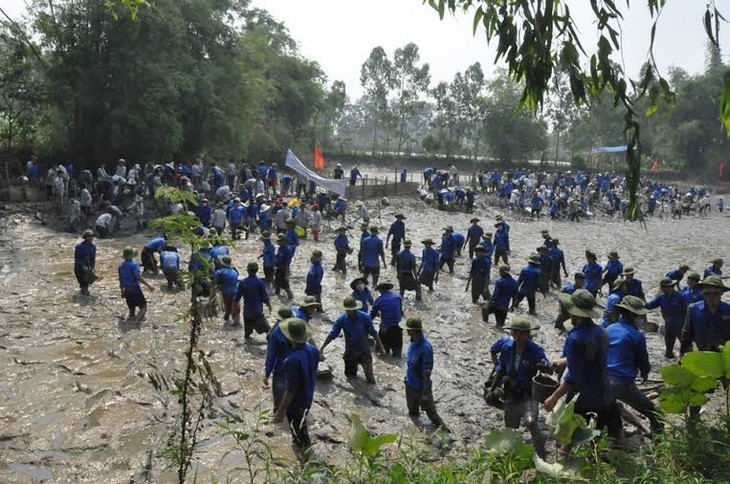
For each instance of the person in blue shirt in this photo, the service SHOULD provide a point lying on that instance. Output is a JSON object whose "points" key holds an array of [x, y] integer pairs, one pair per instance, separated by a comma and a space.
{"points": [[372, 253], [314, 277], [361, 292], [307, 308], [236, 216], [205, 212], [201, 266], [448, 249], [543, 282], [570, 288], [226, 280], [470, 195], [585, 354], [479, 275], [217, 251], [488, 246], [528, 282], [707, 324], [692, 289], [398, 231], [474, 235], [364, 234], [170, 264], [342, 249], [519, 362], [403, 175], [678, 273], [459, 240], [557, 262], [715, 269], [292, 238], [85, 261], [389, 307], [428, 270], [501, 242], [284, 256], [149, 262], [354, 174], [673, 305], [300, 368], [627, 357], [419, 366], [503, 298], [618, 291], [614, 268], [268, 256], [340, 207], [407, 269], [357, 325], [277, 349], [130, 277], [633, 285], [253, 292], [593, 272]]}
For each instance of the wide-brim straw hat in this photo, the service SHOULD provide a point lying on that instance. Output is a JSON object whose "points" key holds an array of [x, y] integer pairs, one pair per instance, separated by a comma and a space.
{"points": [[581, 304], [296, 330], [449, 228], [355, 281], [667, 282], [88, 233], [266, 236], [129, 253], [428, 242], [629, 271], [474, 220], [283, 313], [522, 324], [632, 304], [412, 324], [351, 304], [713, 284], [617, 283], [309, 301], [387, 285], [613, 255]]}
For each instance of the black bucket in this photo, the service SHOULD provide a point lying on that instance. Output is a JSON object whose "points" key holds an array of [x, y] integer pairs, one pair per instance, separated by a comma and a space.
{"points": [[542, 387]]}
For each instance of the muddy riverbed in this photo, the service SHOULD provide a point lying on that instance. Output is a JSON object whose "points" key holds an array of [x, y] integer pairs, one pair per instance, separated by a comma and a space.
{"points": [[75, 399]]}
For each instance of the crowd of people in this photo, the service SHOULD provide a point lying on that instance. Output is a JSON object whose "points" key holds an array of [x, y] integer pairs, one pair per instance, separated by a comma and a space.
{"points": [[563, 194], [603, 354]]}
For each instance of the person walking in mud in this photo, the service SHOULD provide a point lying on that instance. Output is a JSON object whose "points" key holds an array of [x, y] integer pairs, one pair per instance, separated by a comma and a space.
{"points": [[528, 282], [268, 256], [389, 307], [314, 277], [692, 289], [633, 285], [277, 349], [397, 230], [253, 292], [501, 242], [613, 270], [357, 325], [479, 275], [342, 249], [85, 262], [557, 262], [474, 235], [520, 358], [504, 297], [419, 366], [225, 279], [448, 249], [300, 367], [361, 292], [154, 245], [284, 256], [673, 305], [372, 254], [130, 277], [170, 264], [593, 272], [429, 268], [570, 288], [407, 268]]}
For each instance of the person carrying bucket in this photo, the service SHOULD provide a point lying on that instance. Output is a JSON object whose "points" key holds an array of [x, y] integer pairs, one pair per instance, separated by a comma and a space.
{"points": [[519, 362]]}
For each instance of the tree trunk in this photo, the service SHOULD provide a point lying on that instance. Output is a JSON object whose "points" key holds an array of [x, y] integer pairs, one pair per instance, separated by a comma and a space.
{"points": [[557, 145]]}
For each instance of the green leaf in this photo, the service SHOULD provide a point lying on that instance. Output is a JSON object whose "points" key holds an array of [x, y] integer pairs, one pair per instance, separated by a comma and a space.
{"points": [[374, 445], [674, 400], [704, 363], [725, 103], [556, 470], [704, 384], [568, 423], [677, 375], [583, 435], [502, 441], [726, 359], [478, 16], [359, 436]]}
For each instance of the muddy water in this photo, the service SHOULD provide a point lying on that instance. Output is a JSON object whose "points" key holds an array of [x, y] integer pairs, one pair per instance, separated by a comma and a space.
{"points": [[76, 403]]}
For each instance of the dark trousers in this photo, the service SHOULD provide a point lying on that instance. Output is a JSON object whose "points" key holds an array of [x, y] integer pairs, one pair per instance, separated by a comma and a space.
{"points": [[530, 301], [269, 274], [422, 399], [448, 262], [626, 391], [149, 263], [374, 271], [173, 277], [392, 339], [480, 288], [358, 356], [671, 335], [341, 262], [394, 249], [297, 418], [426, 278], [499, 314], [278, 388], [500, 255]]}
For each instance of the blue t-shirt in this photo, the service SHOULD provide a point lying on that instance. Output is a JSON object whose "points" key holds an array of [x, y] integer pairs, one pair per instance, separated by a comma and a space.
{"points": [[520, 373], [593, 273], [269, 254], [170, 260], [365, 297], [397, 231], [626, 352], [448, 247], [371, 248], [419, 361], [129, 274], [389, 307], [505, 289], [356, 328], [226, 278], [706, 330], [528, 279], [155, 243], [586, 348], [284, 255], [673, 306], [480, 268], [277, 349], [614, 268], [253, 291], [429, 261], [85, 254], [314, 279], [342, 243]]}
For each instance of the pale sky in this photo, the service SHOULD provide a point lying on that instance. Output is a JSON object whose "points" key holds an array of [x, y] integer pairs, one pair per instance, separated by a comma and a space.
{"points": [[339, 34]]}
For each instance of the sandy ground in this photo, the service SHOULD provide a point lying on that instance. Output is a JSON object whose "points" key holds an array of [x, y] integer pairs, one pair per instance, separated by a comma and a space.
{"points": [[76, 403]]}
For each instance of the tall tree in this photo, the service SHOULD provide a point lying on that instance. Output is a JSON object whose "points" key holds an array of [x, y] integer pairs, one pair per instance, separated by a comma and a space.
{"points": [[376, 77], [410, 81]]}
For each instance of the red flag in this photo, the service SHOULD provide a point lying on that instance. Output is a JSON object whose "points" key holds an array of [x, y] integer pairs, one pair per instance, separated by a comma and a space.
{"points": [[318, 159]]}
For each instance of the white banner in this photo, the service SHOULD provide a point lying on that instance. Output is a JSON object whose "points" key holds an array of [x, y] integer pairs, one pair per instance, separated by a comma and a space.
{"points": [[337, 186]]}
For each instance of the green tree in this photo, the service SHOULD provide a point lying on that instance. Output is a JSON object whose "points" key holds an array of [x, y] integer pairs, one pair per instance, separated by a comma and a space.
{"points": [[410, 81], [376, 77]]}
